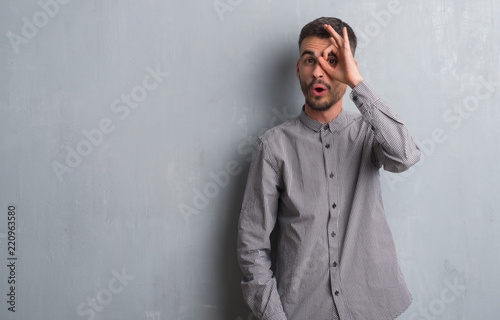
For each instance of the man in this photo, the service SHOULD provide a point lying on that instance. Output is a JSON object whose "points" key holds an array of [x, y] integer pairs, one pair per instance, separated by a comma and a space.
{"points": [[316, 178]]}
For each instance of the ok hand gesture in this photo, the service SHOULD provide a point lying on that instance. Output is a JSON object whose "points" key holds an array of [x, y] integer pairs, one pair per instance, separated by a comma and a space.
{"points": [[344, 68]]}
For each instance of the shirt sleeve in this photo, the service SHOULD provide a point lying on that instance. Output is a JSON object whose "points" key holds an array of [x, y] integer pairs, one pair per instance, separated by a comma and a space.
{"points": [[393, 147], [257, 220]]}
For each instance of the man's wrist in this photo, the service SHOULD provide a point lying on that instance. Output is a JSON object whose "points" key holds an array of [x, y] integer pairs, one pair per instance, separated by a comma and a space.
{"points": [[354, 82]]}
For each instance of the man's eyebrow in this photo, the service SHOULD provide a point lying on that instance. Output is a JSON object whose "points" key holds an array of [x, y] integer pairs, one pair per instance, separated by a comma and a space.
{"points": [[312, 53], [307, 52]]}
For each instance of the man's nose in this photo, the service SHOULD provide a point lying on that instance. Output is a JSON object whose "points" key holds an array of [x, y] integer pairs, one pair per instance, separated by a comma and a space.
{"points": [[318, 72]]}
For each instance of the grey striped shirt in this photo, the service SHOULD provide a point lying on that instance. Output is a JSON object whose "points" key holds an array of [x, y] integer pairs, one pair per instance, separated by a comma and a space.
{"points": [[319, 185]]}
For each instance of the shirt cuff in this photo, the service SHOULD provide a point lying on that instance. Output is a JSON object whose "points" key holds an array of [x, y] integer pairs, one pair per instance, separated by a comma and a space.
{"points": [[363, 96]]}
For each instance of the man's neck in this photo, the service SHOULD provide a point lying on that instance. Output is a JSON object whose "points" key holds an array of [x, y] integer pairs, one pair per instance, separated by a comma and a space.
{"points": [[326, 115]]}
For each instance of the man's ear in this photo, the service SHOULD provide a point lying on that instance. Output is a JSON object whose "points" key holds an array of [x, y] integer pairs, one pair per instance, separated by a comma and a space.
{"points": [[298, 74]]}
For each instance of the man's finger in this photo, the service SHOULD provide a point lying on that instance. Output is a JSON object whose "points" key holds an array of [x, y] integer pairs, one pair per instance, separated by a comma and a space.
{"points": [[331, 49], [346, 38], [334, 44], [334, 34], [326, 66], [332, 31]]}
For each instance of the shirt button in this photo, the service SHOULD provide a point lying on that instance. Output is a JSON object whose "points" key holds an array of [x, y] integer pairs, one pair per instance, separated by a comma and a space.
{"points": [[333, 234], [334, 206], [334, 264], [327, 145], [331, 175], [337, 293]]}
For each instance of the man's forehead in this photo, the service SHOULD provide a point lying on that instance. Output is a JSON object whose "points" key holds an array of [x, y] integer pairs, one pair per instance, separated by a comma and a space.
{"points": [[314, 45]]}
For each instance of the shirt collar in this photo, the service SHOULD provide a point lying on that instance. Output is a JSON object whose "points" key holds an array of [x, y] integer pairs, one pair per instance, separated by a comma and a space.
{"points": [[336, 124]]}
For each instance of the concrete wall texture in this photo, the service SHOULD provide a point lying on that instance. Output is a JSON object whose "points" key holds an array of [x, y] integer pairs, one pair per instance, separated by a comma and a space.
{"points": [[126, 131]]}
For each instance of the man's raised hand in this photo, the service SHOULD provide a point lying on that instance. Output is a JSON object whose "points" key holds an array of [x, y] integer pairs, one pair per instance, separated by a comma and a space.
{"points": [[338, 61]]}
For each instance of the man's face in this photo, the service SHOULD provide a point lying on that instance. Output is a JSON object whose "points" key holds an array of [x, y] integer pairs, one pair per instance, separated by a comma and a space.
{"points": [[321, 91]]}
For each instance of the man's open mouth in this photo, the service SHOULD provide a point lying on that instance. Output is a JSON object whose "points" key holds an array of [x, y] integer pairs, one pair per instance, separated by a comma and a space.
{"points": [[318, 89]]}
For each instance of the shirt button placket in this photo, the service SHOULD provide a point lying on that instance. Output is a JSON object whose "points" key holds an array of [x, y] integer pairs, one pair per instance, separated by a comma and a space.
{"points": [[328, 153]]}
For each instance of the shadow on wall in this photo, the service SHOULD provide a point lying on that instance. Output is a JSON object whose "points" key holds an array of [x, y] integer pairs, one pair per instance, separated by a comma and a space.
{"points": [[274, 87]]}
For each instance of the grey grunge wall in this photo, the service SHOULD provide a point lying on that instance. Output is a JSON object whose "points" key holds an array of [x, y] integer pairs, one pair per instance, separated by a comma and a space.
{"points": [[126, 132]]}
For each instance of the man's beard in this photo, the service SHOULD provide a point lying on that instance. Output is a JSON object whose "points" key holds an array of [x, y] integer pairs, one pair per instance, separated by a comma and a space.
{"points": [[314, 102]]}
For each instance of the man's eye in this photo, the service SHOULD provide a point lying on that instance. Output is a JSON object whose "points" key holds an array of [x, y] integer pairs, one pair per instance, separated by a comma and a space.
{"points": [[309, 60], [332, 61]]}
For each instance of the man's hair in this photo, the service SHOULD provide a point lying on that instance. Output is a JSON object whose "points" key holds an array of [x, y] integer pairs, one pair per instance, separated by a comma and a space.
{"points": [[315, 29]]}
